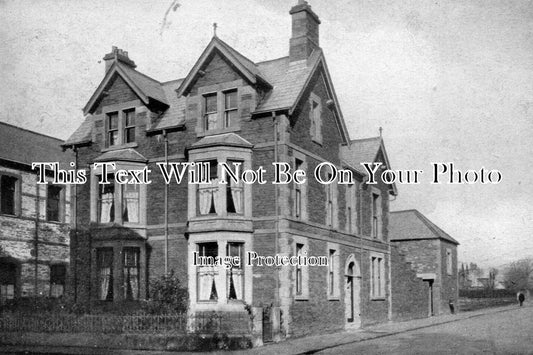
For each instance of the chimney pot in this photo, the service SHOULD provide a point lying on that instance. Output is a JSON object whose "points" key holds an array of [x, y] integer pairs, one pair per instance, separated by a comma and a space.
{"points": [[119, 55]]}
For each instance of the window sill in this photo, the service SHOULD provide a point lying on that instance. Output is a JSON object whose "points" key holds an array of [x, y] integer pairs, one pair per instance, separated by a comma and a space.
{"points": [[9, 215], [213, 132], [334, 298], [301, 298], [378, 299], [121, 146]]}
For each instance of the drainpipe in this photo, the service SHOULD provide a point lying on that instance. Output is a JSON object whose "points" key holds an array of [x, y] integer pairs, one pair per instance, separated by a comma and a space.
{"points": [[75, 229], [276, 152], [36, 239], [166, 204]]}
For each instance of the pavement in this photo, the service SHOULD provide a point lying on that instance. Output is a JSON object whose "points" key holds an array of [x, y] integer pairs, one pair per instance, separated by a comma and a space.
{"points": [[317, 343], [305, 345]]}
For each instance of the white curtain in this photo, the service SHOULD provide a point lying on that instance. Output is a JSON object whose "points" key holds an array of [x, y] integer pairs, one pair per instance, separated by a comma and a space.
{"points": [[236, 195], [208, 195], [106, 207], [131, 204], [131, 288], [105, 276], [206, 280], [236, 277]]}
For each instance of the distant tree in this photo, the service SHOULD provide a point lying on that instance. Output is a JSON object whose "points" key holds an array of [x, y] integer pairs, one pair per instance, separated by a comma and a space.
{"points": [[493, 272], [519, 275], [475, 270]]}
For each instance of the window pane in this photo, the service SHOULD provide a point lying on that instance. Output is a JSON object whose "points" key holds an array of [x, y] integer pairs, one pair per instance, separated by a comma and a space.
{"points": [[211, 103], [230, 99], [8, 188], [130, 203], [57, 280], [206, 277], [131, 273], [112, 120], [129, 117], [106, 202], [230, 117], [129, 135], [104, 258], [52, 203]]}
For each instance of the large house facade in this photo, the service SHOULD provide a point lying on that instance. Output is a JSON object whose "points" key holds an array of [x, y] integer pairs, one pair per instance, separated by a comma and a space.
{"points": [[229, 109], [34, 218]]}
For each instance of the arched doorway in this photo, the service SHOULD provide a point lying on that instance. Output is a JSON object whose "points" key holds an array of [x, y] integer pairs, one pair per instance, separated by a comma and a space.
{"points": [[352, 289]]}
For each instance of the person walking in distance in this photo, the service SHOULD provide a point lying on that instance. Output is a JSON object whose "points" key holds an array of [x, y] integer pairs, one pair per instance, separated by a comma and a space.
{"points": [[521, 298]]}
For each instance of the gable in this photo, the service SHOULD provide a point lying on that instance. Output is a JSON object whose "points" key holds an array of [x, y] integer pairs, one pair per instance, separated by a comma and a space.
{"points": [[117, 91], [216, 70]]}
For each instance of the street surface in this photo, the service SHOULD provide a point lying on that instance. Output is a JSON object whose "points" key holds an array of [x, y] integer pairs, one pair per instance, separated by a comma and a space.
{"points": [[508, 332]]}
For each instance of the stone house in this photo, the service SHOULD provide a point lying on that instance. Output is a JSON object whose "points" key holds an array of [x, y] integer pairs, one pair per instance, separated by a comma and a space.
{"points": [[230, 109], [432, 253], [34, 218]]}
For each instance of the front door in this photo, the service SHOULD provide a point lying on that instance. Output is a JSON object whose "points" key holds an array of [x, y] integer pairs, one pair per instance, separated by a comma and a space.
{"points": [[351, 297]]}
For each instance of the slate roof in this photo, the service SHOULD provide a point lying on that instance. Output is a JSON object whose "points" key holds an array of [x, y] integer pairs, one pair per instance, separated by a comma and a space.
{"points": [[361, 151], [23, 146], [82, 135], [175, 115], [127, 154], [144, 86], [226, 139], [150, 87], [288, 80], [413, 225]]}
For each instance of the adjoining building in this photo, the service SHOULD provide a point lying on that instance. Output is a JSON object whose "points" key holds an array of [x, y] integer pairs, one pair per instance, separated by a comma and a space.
{"points": [[34, 218], [432, 253]]}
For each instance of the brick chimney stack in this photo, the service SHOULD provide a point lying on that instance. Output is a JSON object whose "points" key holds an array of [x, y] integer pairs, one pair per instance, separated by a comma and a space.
{"points": [[118, 54], [304, 31]]}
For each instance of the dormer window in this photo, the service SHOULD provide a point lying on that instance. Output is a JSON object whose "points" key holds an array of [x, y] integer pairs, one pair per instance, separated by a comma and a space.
{"points": [[120, 127], [220, 110]]}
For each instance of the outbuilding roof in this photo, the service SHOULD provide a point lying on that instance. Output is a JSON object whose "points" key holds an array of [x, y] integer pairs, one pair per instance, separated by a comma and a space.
{"points": [[413, 225]]}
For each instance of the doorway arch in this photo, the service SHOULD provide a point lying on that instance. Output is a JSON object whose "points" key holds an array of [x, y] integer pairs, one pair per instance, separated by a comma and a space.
{"points": [[352, 289]]}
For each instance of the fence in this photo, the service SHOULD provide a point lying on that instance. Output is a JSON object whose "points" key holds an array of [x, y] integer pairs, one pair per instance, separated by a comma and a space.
{"points": [[138, 324]]}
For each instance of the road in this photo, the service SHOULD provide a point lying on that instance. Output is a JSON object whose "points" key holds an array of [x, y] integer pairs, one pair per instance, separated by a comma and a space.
{"points": [[508, 332]]}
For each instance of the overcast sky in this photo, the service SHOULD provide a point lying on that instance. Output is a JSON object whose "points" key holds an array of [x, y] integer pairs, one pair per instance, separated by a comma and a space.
{"points": [[449, 81]]}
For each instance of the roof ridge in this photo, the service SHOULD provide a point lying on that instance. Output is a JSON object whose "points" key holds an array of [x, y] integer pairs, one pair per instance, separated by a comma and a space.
{"points": [[171, 81], [236, 51], [434, 228], [366, 139], [141, 73], [30, 131], [272, 60]]}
